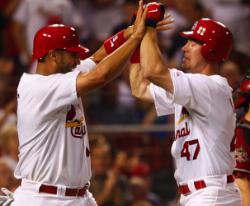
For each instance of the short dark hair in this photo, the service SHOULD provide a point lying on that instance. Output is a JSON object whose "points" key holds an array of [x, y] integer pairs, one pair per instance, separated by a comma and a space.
{"points": [[43, 59]]}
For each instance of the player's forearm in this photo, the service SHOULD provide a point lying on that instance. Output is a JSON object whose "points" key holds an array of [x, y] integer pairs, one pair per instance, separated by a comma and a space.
{"points": [[101, 53], [139, 85], [153, 65], [108, 68], [111, 65]]}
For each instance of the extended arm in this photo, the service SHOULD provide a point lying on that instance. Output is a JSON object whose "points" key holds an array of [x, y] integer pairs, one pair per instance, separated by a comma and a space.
{"points": [[108, 68], [152, 63], [112, 65], [139, 84], [101, 53]]}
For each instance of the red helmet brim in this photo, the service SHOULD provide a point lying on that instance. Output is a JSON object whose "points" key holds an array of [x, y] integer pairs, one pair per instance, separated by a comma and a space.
{"points": [[187, 34]]}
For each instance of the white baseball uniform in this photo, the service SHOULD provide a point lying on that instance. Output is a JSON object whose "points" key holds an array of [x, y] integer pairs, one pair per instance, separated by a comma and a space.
{"points": [[204, 129], [53, 139]]}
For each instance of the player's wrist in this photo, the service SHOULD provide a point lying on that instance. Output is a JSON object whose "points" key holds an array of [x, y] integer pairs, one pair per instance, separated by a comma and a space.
{"points": [[128, 32], [137, 37], [114, 42], [151, 32]]}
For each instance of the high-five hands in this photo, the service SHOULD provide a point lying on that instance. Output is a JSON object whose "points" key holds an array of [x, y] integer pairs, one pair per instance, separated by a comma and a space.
{"points": [[139, 28], [165, 23], [155, 13], [155, 17]]}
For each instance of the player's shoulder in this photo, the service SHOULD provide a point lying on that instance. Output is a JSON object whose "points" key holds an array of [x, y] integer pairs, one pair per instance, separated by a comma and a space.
{"points": [[29, 80], [215, 81], [196, 78], [219, 79], [221, 83], [27, 77]]}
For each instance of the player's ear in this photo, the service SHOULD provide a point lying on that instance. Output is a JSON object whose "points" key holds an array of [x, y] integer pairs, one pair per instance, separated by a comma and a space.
{"points": [[52, 54]]}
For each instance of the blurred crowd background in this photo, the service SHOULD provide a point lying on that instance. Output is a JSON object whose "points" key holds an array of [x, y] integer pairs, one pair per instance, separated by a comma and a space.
{"points": [[130, 146]]}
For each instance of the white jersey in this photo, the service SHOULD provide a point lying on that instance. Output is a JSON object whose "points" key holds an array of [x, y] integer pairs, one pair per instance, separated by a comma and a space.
{"points": [[204, 124], [53, 139]]}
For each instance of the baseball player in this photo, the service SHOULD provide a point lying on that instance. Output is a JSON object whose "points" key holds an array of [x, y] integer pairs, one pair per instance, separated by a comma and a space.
{"points": [[242, 141], [54, 154], [204, 112]]}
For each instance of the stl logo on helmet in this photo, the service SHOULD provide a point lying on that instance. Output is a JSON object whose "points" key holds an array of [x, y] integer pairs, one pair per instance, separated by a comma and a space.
{"points": [[201, 31], [78, 129]]}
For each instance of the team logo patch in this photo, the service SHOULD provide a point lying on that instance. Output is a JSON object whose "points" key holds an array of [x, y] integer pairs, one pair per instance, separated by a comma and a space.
{"points": [[76, 124], [184, 115]]}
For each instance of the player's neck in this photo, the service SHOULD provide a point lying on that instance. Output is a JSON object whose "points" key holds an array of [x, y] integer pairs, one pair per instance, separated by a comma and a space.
{"points": [[211, 69], [45, 69]]}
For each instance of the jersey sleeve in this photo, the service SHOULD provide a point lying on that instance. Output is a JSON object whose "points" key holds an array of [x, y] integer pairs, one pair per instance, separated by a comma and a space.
{"points": [[193, 91], [48, 93], [86, 65], [62, 89], [162, 100]]}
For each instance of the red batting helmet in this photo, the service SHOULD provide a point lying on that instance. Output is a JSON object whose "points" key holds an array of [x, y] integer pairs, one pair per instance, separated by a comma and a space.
{"points": [[243, 92], [216, 38], [57, 36]]}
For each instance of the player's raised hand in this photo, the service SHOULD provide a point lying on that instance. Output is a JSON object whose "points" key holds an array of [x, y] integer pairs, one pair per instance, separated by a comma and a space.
{"points": [[139, 25], [155, 13], [165, 23]]}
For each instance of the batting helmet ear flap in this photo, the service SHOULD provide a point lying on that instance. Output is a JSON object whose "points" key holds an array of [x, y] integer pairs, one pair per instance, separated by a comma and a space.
{"points": [[211, 52], [208, 52]]}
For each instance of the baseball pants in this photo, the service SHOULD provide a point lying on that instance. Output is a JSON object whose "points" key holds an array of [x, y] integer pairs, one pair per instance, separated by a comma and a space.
{"points": [[29, 195], [217, 193]]}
